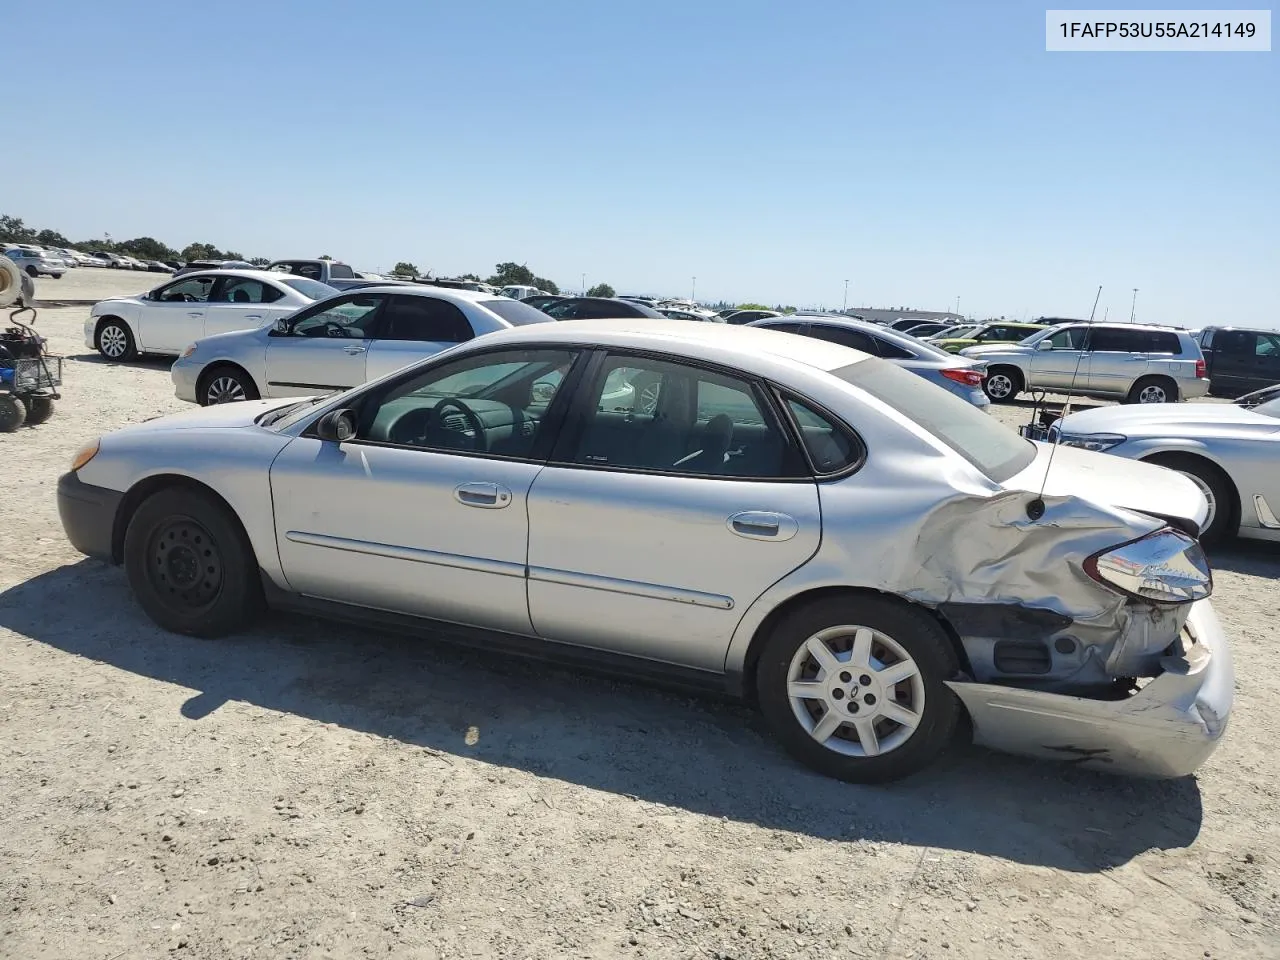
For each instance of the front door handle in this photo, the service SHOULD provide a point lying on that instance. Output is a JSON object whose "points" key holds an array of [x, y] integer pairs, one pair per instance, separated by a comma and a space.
{"points": [[353, 351], [196, 314], [253, 316], [763, 525], [489, 496]]}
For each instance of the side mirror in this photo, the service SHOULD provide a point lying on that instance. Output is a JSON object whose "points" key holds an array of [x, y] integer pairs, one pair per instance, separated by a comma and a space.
{"points": [[337, 425], [1045, 344], [280, 326]]}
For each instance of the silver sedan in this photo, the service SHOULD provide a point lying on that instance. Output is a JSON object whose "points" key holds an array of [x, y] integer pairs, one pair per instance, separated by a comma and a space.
{"points": [[867, 557], [954, 374], [340, 342], [1230, 451]]}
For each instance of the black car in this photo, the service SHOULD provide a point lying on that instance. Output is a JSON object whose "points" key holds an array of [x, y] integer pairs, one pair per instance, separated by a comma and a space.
{"points": [[1239, 360], [599, 308], [542, 300], [739, 317]]}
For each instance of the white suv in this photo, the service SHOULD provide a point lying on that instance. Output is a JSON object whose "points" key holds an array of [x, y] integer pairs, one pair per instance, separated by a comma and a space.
{"points": [[1131, 362], [35, 264]]}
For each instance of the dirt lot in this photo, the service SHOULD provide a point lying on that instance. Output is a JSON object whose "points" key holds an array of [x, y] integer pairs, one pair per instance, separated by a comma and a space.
{"points": [[316, 791]]}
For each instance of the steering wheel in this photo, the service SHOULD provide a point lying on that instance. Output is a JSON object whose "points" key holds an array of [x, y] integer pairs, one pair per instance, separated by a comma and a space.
{"points": [[435, 422], [332, 328]]}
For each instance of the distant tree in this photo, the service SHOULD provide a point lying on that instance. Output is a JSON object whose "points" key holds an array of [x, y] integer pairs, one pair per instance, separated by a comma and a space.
{"points": [[13, 230], [542, 283], [232, 255], [201, 251], [752, 306], [148, 248], [259, 261], [324, 256], [469, 276], [406, 268], [52, 238], [601, 290], [512, 274]]}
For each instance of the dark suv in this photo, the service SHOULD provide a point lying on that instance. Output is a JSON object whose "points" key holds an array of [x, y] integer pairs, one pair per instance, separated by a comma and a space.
{"points": [[1240, 360]]}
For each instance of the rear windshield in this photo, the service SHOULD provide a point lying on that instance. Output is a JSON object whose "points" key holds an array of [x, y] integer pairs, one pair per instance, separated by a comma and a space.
{"points": [[341, 271], [312, 289], [978, 437], [516, 313]]}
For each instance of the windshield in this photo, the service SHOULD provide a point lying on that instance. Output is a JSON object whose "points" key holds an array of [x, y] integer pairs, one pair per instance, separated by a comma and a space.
{"points": [[311, 289], [978, 437], [1269, 409], [516, 313]]}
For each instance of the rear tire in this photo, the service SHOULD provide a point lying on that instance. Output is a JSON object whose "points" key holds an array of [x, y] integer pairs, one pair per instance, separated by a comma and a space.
{"points": [[13, 414], [879, 708], [114, 340], [1153, 390], [1002, 384], [32, 272], [1216, 487], [39, 409], [190, 564]]}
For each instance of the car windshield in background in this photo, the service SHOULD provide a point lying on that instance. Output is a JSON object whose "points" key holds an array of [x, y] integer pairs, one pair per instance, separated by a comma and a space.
{"points": [[1269, 409], [313, 289], [977, 436], [515, 313]]}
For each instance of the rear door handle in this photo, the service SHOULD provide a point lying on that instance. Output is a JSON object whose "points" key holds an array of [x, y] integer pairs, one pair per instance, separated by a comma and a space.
{"points": [[763, 525], [490, 496], [196, 314], [353, 351]]}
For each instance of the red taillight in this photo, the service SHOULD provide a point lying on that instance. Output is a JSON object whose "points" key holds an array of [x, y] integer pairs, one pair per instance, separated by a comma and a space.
{"points": [[1200, 370], [970, 378]]}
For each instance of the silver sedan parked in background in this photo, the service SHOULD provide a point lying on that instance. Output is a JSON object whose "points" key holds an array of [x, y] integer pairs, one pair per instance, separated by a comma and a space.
{"points": [[340, 342], [954, 374], [791, 520], [1230, 451]]}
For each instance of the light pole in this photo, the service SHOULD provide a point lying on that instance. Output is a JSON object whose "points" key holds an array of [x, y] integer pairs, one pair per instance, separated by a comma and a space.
{"points": [[584, 284], [693, 290], [846, 297], [1133, 306], [958, 307]]}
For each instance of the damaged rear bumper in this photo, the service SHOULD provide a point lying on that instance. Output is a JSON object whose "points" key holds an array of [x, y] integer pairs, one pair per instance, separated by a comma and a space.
{"points": [[1166, 729]]}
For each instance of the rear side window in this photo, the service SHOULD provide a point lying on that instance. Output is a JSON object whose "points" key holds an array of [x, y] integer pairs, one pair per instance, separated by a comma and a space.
{"points": [[831, 448], [1163, 343], [890, 351], [844, 336], [426, 319], [1112, 340], [514, 312], [341, 271]]}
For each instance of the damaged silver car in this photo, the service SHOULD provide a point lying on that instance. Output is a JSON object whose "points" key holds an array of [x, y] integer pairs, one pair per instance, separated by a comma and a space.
{"points": [[865, 556]]}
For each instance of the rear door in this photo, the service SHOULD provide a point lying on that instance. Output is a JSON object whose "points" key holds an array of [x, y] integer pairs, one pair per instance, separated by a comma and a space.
{"points": [[1117, 357], [173, 316], [239, 303], [1235, 353], [653, 529], [325, 346], [413, 328]]}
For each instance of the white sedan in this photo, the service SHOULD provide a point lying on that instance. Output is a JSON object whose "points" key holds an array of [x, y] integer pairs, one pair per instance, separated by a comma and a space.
{"points": [[196, 305], [341, 342]]}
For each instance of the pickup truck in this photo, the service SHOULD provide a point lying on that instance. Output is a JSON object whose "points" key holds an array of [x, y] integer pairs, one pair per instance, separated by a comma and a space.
{"points": [[1240, 360], [336, 274]]}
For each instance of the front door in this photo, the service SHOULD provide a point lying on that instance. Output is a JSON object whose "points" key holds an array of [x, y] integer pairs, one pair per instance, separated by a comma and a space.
{"points": [[323, 347], [425, 512], [1064, 363], [665, 513], [413, 328], [173, 315]]}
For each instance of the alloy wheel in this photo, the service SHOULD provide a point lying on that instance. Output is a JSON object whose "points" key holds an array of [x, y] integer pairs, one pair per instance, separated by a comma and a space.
{"points": [[224, 389], [1209, 496], [999, 386], [1152, 393], [114, 341], [856, 691]]}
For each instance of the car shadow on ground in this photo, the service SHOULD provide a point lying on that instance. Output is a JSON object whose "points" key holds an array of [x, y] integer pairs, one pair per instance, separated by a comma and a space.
{"points": [[701, 754], [146, 361], [1258, 558]]}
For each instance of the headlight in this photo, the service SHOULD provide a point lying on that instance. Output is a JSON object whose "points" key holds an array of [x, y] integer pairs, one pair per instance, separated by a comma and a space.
{"points": [[1163, 567], [188, 352], [84, 455], [1089, 441]]}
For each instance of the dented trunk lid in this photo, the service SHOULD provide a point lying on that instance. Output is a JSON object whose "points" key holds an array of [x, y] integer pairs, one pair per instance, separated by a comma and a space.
{"points": [[1113, 481]]}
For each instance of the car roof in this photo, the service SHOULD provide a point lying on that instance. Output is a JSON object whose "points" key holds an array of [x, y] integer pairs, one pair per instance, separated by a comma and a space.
{"points": [[1157, 327], [273, 275], [761, 352], [426, 290]]}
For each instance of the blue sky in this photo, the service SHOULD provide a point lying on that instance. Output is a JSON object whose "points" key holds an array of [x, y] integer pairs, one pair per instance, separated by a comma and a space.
{"points": [[923, 151]]}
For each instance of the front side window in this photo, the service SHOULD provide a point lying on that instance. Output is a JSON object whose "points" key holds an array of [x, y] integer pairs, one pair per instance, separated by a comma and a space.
{"points": [[490, 404], [1268, 345], [668, 418], [186, 290], [426, 319], [1070, 339], [347, 318]]}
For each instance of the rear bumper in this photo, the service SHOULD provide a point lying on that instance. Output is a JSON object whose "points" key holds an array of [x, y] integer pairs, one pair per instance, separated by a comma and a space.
{"points": [[88, 515], [1193, 389], [1166, 729]]}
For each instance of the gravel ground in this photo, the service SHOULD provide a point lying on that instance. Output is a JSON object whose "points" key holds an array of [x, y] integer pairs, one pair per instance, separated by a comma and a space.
{"points": [[309, 790]]}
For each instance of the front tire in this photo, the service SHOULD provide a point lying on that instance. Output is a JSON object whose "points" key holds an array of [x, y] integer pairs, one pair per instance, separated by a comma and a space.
{"points": [[32, 272], [854, 688], [13, 414], [226, 385], [1218, 490], [114, 340], [1002, 384], [190, 564], [39, 409]]}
